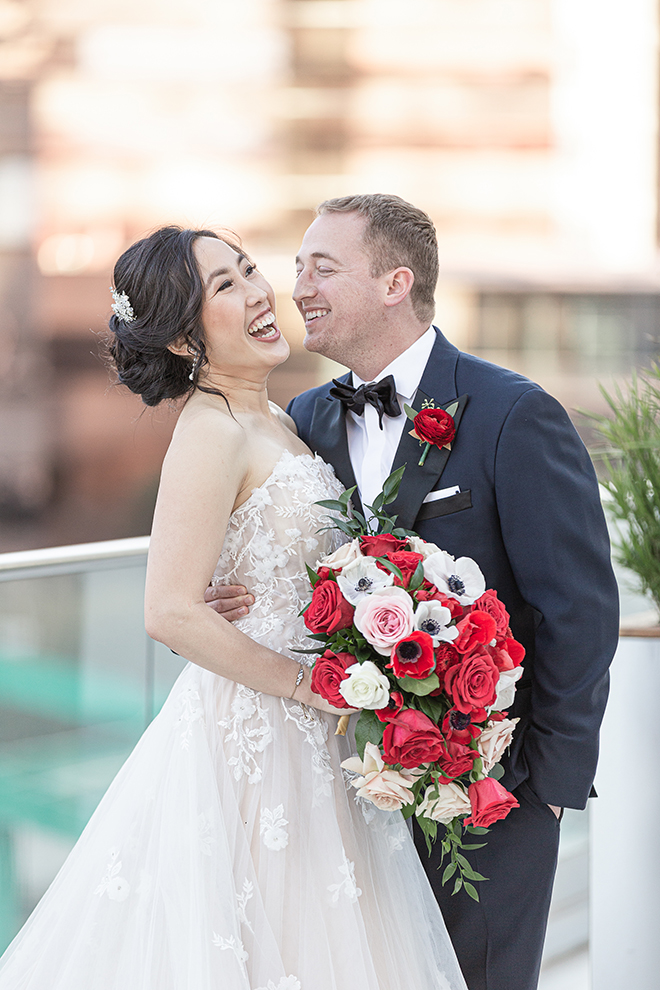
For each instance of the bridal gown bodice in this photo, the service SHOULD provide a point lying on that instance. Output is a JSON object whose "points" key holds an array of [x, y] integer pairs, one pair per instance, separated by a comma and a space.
{"points": [[229, 851], [270, 538]]}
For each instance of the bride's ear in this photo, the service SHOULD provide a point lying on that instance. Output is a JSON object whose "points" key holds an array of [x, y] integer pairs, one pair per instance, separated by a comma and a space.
{"points": [[181, 347]]}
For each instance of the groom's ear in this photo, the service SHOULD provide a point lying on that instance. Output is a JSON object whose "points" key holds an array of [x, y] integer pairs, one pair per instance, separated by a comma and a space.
{"points": [[398, 284]]}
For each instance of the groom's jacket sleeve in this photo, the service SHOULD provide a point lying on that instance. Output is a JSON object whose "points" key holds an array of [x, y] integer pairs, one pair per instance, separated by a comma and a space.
{"points": [[554, 533]]}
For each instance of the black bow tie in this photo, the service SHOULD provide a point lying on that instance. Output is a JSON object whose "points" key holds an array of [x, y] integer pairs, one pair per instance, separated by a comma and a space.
{"points": [[381, 395]]}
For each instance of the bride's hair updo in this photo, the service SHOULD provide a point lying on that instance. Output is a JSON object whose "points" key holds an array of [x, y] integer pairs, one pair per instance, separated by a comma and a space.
{"points": [[161, 280]]}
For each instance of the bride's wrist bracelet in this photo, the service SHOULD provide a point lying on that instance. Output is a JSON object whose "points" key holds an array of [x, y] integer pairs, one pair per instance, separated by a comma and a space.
{"points": [[299, 680]]}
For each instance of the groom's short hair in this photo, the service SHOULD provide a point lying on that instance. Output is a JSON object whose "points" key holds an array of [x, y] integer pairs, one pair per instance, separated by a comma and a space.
{"points": [[397, 234]]}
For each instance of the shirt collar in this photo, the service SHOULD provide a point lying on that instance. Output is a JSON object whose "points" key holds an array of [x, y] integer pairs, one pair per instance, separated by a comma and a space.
{"points": [[408, 367]]}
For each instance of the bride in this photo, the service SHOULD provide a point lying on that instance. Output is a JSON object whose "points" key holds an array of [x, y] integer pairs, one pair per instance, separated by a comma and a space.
{"points": [[228, 853]]}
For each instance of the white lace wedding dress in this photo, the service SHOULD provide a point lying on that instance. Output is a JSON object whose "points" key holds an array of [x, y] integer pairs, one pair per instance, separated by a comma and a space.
{"points": [[229, 853]]}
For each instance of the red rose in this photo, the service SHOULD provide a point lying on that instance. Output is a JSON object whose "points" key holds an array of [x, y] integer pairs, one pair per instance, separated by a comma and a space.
{"points": [[328, 673], [394, 706], [490, 802], [328, 610], [412, 739], [473, 683], [456, 759], [459, 726], [413, 656], [490, 603], [324, 573], [435, 426], [380, 544], [476, 629], [406, 561]]}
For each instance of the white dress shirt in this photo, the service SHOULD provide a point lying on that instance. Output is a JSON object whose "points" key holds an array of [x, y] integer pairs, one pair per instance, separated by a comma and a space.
{"points": [[371, 449]]}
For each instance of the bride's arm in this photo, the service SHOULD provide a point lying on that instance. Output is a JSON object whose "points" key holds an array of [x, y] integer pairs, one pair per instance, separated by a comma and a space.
{"points": [[203, 472]]}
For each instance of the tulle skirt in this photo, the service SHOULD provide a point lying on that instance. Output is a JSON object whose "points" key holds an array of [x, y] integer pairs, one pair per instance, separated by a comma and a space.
{"points": [[229, 854]]}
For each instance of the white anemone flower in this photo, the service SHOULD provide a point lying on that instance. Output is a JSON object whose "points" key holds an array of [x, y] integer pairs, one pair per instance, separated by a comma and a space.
{"points": [[460, 579], [361, 578], [433, 618]]}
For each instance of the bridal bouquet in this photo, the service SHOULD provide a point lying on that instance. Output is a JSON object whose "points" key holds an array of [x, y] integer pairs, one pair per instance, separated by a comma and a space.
{"points": [[413, 638]]}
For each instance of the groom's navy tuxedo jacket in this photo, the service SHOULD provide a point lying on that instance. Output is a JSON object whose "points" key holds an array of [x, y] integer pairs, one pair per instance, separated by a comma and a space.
{"points": [[529, 513]]}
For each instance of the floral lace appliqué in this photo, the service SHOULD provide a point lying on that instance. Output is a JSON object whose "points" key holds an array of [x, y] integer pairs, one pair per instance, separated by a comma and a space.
{"points": [[250, 730], [242, 899], [315, 731], [234, 945], [285, 983], [272, 830], [347, 886], [117, 888], [189, 713]]}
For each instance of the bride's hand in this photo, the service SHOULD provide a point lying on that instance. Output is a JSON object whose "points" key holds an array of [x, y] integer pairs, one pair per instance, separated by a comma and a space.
{"points": [[304, 694]]}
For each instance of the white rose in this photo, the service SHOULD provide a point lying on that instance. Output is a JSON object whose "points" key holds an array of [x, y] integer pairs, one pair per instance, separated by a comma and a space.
{"points": [[388, 789], [452, 800], [506, 688], [343, 555], [365, 686], [494, 740], [417, 545], [460, 579]]}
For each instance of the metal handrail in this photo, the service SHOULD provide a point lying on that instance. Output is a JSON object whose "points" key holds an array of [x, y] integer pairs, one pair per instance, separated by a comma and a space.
{"points": [[78, 557]]}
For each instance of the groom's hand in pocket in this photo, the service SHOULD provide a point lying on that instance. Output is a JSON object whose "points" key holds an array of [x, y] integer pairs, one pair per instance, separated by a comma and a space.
{"points": [[231, 601]]}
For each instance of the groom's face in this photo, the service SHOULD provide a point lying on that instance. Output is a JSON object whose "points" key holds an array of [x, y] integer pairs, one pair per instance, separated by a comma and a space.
{"points": [[338, 298]]}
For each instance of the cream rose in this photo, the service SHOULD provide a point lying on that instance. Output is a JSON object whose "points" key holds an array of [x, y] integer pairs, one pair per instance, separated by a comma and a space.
{"points": [[342, 556], [494, 740], [365, 686], [384, 617], [506, 688], [452, 800], [418, 545], [388, 789]]}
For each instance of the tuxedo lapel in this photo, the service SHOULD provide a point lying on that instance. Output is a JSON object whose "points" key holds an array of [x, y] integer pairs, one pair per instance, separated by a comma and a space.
{"points": [[438, 385], [328, 435]]}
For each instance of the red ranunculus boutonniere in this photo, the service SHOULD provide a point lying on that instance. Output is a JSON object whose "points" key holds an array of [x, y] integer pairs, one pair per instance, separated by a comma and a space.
{"points": [[433, 427]]}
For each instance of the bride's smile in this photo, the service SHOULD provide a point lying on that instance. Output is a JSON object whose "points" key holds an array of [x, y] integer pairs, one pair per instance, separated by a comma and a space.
{"points": [[241, 335]]}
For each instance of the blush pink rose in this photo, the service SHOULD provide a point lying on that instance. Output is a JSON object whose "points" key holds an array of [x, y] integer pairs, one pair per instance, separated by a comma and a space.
{"points": [[384, 617]]}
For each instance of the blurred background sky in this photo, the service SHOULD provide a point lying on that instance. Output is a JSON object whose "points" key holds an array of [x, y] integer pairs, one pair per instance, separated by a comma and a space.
{"points": [[528, 129]]}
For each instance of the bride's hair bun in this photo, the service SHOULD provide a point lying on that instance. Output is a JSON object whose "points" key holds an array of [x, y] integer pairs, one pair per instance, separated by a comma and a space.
{"points": [[161, 280]]}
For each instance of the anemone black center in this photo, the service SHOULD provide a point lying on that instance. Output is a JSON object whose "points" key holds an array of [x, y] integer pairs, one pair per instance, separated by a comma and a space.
{"points": [[430, 626], [459, 720], [409, 651], [364, 584], [455, 585]]}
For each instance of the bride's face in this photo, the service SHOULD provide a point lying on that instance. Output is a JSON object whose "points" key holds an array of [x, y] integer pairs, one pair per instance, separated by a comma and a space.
{"points": [[238, 316]]}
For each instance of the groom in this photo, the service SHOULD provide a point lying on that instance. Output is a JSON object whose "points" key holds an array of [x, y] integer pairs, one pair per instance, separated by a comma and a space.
{"points": [[517, 493]]}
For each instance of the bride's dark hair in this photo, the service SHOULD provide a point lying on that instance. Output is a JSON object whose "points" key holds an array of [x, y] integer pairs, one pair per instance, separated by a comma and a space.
{"points": [[160, 277]]}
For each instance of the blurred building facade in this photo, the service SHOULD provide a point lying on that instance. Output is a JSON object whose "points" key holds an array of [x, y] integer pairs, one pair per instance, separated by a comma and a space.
{"points": [[528, 129]]}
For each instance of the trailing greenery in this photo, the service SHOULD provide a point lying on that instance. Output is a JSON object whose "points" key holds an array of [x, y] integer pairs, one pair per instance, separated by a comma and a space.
{"points": [[632, 461]]}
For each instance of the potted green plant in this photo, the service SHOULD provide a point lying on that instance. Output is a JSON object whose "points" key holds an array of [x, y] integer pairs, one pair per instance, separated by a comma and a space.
{"points": [[631, 458]]}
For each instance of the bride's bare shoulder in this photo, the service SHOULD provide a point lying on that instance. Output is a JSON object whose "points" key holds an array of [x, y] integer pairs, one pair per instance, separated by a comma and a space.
{"points": [[283, 417]]}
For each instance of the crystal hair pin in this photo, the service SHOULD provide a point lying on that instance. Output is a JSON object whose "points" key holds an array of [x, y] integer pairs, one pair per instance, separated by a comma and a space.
{"points": [[122, 306]]}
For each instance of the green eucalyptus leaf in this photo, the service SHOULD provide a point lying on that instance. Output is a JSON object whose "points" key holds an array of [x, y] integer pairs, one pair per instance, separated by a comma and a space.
{"points": [[417, 580], [451, 408], [332, 503], [472, 891], [409, 411], [496, 772]]}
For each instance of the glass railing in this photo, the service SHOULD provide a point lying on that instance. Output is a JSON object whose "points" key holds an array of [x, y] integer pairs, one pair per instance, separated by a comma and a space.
{"points": [[79, 680]]}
